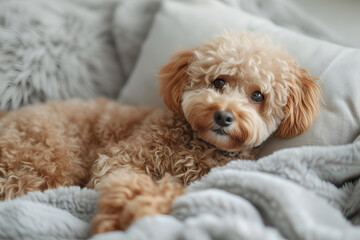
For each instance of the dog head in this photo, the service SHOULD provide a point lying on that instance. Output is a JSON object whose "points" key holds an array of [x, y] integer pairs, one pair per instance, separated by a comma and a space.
{"points": [[239, 88]]}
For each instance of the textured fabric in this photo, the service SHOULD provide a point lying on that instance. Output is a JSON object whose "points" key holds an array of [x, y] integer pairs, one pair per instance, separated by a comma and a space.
{"points": [[63, 213], [300, 193], [337, 66], [56, 50]]}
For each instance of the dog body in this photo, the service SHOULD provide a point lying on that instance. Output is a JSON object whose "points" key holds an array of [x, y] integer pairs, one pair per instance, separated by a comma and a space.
{"points": [[64, 143], [225, 98]]}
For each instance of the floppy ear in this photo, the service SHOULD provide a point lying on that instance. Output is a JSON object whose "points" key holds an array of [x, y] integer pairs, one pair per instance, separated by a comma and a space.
{"points": [[173, 77], [302, 106]]}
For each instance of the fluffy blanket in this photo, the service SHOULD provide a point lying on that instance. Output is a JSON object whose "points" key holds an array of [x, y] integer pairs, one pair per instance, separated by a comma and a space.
{"points": [[299, 193]]}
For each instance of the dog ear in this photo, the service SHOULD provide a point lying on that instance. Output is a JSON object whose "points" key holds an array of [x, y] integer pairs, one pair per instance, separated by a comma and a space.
{"points": [[173, 77], [302, 106]]}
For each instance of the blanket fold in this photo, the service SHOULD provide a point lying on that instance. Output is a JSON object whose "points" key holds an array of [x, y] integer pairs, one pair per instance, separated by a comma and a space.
{"points": [[299, 193]]}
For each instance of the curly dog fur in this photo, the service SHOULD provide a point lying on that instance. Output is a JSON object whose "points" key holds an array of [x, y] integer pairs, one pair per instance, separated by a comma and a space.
{"points": [[225, 98]]}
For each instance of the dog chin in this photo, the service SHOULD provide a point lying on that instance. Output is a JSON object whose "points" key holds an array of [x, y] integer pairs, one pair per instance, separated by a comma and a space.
{"points": [[220, 139]]}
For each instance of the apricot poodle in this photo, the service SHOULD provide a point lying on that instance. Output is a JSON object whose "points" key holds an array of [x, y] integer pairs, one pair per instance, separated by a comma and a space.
{"points": [[225, 98]]}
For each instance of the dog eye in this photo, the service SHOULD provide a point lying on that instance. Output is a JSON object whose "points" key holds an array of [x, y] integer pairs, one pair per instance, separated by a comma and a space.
{"points": [[219, 83], [257, 97]]}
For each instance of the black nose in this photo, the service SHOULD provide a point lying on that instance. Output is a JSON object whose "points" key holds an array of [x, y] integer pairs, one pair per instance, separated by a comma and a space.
{"points": [[223, 118]]}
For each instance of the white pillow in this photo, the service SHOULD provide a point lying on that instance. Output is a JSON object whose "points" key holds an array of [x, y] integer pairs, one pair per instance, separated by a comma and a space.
{"points": [[189, 23]]}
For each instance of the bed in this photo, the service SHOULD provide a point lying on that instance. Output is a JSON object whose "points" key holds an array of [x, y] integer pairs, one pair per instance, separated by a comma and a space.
{"points": [[306, 187]]}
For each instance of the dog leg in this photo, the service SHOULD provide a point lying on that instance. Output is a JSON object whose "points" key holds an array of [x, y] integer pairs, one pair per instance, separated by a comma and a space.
{"points": [[126, 196]]}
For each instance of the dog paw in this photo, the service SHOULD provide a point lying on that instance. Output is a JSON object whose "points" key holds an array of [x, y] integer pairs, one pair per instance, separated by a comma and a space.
{"points": [[127, 196]]}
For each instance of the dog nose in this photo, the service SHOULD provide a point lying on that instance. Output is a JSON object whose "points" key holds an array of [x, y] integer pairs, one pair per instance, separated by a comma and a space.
{"points": [[223, 118]]}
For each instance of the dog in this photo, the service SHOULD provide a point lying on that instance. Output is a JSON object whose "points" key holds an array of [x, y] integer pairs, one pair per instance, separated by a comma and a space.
{"points": [[224, 98]]}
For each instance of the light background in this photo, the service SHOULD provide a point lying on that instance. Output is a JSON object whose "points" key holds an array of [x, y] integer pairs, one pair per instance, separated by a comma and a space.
{"points": [[343, 16]]}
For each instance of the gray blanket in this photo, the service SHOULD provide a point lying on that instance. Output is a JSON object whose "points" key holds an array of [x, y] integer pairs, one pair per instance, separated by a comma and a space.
{"points": [[300, 193]]}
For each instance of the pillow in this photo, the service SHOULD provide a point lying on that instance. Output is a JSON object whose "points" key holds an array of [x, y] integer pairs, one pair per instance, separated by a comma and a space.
{"points": [[132, 21], [190, 23], [56, 50]]}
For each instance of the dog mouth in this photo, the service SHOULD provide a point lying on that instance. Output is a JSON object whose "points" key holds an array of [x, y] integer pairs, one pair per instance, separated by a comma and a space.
{"points": [[219, 131]]}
